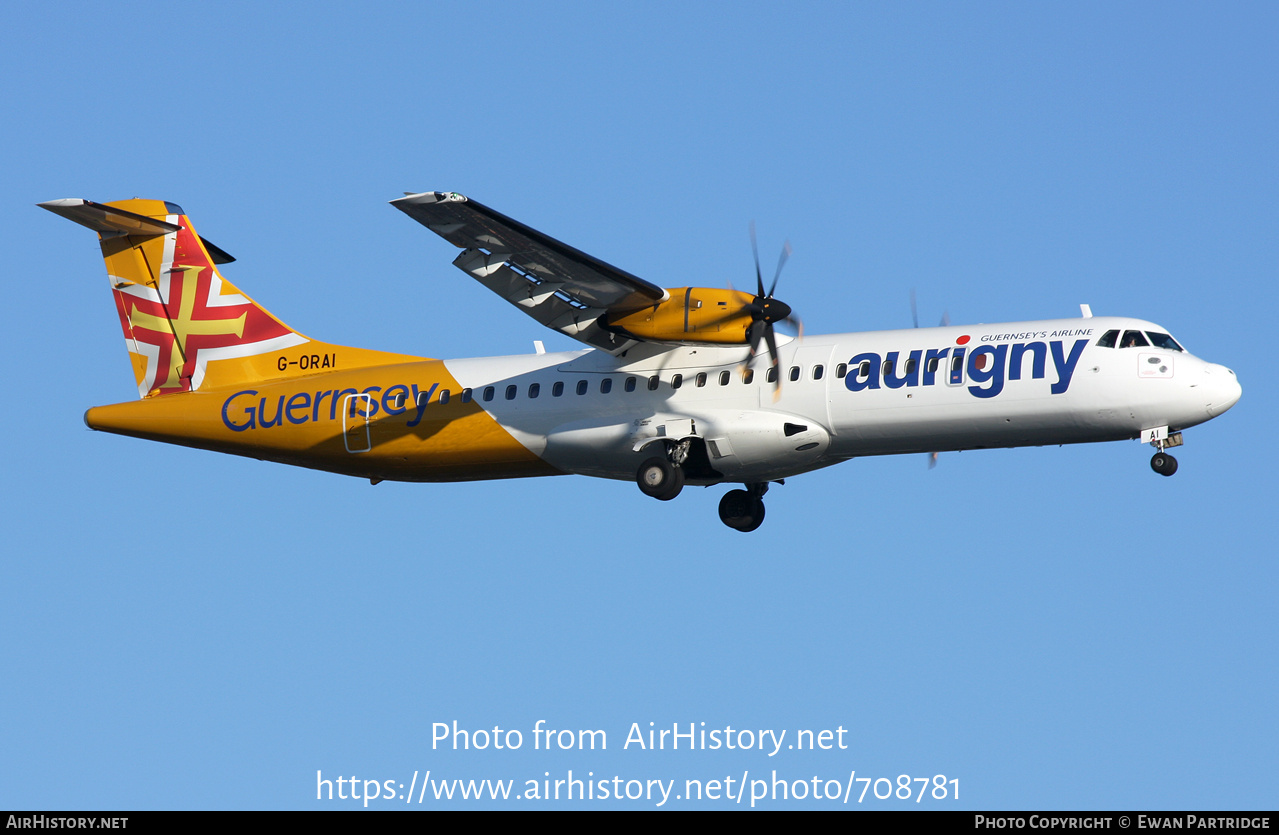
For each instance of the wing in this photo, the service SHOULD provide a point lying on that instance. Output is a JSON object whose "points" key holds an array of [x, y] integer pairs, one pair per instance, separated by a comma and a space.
{"points": [[559, 286]]}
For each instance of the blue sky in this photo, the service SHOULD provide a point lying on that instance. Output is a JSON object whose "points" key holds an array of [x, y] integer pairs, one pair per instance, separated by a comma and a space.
{"points": [[1053, 627]]}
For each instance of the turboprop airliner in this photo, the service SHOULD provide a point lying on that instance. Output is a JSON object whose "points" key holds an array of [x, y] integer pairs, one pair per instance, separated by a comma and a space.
{"points": [[675, 386]]}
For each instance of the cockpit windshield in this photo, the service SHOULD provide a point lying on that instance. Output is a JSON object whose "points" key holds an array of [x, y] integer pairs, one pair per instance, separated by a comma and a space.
{"points": [[1136, 339], [1133, 339], [1163, 340]]}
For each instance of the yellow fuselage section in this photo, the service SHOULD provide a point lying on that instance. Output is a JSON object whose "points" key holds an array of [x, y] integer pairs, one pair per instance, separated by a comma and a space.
{"points": [[386, 422]]}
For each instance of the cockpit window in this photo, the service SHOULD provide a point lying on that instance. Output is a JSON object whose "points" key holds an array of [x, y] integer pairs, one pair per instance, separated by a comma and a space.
{"points": [[1134, 339], [1108, 340], [1163, 340]]}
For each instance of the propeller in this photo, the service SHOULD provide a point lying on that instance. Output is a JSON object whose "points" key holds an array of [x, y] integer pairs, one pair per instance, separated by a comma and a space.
{"points": [[766, 311], [945, 322], [914, 312]]}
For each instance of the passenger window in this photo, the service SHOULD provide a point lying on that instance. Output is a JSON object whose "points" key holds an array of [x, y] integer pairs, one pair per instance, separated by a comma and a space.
{"points": [[444, 396], [677, 381], [794, 373], [466, 395], [1134, 339], [979, 361], [534, 389], [1163, 340], [581, 386], [841, 371], [630, 384], [606, 385], [772, 375], [557, 389], [1108, 339], [749, 376], [423, 397], [863, 370], [652, 382], [818, 371], [510, 392], [488, 393], [910, 366], [701, 379], [724, 377], [932, 365], [888, 368]]}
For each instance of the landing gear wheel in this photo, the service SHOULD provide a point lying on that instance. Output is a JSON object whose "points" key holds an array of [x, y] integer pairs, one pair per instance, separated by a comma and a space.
{"points": [[741, 511], [1163, 463], [756, 518], [659, 478]]}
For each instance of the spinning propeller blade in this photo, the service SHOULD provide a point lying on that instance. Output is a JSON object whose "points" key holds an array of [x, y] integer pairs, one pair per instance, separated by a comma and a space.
{"points": [[766, 311]]}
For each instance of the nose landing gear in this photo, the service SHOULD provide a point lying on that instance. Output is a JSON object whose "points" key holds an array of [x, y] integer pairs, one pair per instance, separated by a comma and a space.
{"points": [[1163, 463], [743, 510]]}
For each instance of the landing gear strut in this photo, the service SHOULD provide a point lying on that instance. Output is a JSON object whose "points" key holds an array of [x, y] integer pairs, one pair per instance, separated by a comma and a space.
{"points": [[743, 510]]}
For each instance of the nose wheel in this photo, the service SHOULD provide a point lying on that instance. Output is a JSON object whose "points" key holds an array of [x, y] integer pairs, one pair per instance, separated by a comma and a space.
{"points": [[743, 510], [1163, 463]]}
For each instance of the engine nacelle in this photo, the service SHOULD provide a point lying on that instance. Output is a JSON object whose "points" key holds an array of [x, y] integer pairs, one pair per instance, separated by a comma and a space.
{"points": [[696, 315]]}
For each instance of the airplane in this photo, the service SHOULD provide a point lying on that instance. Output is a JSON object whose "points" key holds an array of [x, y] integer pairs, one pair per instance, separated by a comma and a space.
{"points": [[674, 387]]}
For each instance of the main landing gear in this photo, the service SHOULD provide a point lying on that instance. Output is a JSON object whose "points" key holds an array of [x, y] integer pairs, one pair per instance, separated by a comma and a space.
{"points": [[659, 478], [662, 476], [743, 510]]}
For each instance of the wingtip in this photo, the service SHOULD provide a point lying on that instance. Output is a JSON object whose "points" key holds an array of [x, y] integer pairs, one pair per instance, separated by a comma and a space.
{"points": [[428, 197], [64, 203]]}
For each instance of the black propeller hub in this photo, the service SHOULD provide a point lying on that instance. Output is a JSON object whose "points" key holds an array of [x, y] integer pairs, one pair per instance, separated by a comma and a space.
{"points": [[770, 310]]}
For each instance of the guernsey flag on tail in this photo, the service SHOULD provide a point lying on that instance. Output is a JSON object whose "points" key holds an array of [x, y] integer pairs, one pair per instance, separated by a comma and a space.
{"points": [[184, 324]]}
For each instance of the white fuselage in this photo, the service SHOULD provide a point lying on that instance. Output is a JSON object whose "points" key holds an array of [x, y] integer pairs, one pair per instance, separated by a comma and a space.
{"points": [[848, 395]]}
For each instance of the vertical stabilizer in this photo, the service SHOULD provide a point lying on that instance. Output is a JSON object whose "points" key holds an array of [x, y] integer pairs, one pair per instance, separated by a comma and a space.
{"points": [[184, 324]]}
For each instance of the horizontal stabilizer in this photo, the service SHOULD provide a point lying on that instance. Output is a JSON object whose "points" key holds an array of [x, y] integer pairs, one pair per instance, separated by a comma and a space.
{"points": [[107, 220]]}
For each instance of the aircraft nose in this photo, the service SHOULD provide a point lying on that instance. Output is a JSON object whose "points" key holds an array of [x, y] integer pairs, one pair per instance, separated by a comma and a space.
{"points": [[1223, 388]]}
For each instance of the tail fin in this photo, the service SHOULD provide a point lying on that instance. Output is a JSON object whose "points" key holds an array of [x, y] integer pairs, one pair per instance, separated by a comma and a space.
{"points": [[184, 324]]}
